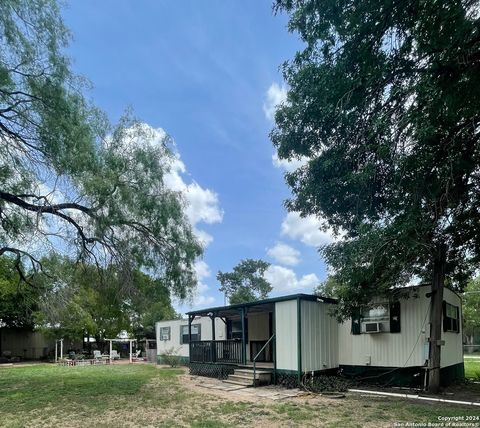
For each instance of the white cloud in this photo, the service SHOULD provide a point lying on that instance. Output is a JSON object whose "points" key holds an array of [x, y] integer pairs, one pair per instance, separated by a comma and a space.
{"points": [[200, 297], [276, 95], [203, 301], [204, 238], [284, 280], [284, 254], [306, 229], [202, 270], [288, 165], [202, 204], [198, 302]]}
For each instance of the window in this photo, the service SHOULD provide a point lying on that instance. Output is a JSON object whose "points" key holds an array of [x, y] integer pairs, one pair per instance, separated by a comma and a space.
{"points": [[184, 333], [164, 333], [234, 329], [450, 317], [373, 314], [377, 318]]}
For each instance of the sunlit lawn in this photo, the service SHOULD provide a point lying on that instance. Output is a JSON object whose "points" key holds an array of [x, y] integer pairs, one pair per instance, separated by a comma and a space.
{"points": [[143, 395], [472, 368]]}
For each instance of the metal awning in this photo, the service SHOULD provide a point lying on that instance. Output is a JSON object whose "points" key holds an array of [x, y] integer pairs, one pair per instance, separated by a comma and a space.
{"points": [[258, 306]]}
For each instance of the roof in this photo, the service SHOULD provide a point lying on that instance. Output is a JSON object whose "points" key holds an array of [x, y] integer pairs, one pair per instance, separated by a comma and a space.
{"points": [[264, 302]]}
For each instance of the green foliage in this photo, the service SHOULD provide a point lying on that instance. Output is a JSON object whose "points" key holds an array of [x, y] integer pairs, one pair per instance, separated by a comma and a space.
{"points": [[150, 302], [171, 357], [82, 300], [472, 369], [328, 288], [384, 102], [246, 283], [69, 181], [471, 308], [18, 300]]}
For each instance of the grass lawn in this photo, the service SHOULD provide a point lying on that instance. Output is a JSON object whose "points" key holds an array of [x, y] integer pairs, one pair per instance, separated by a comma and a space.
{"points": [[472, 368], [143, 395]]}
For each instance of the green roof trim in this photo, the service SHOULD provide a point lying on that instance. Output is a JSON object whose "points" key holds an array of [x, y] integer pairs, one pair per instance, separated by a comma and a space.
{"points": [[310, 297]]}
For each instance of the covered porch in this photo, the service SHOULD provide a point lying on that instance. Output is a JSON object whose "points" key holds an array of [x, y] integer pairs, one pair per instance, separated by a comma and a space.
{"points": [[249, 337]]}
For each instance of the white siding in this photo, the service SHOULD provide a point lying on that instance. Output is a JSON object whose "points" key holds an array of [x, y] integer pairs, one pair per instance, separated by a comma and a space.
{"points": [[174, 342], [286, 335], [405, 349], [452, 352], [319, 336]]}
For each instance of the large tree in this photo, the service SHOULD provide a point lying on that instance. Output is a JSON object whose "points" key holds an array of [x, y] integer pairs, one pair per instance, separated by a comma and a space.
{"points": [[246, 283], [384, 103], [81, 300], [69, 182]]}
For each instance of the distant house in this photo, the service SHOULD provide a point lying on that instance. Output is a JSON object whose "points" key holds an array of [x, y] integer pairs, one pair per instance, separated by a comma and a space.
{"points": [[173, 335], [296, 335], [24, 344]]}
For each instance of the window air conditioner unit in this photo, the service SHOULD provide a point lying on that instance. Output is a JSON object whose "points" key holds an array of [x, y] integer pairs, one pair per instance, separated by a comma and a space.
{"points": [[372, 327], [165, 337]]}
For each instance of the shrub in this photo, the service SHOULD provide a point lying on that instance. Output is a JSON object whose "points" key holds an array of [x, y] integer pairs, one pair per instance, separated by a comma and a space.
{"points": [[171, 357]]}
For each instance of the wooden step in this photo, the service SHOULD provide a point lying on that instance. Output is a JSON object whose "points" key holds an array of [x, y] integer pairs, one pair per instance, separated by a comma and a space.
{"points": [[249, 372], [245, 377]]}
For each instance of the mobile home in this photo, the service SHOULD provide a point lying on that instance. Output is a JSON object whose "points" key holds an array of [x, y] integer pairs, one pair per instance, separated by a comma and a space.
{"points": [[297, 335], [173, 335]]}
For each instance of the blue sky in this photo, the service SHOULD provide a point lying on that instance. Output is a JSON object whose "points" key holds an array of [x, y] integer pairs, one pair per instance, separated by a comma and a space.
{"points": [[208, 74]]}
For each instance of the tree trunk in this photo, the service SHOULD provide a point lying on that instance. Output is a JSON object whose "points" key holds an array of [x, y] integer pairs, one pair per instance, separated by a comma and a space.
{"points": [[436, 307]]}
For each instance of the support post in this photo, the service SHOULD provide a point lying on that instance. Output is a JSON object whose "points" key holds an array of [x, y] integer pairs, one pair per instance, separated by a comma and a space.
{"points": [[299, 340], [244, 343], [274, 350], [110, 341], [56, 350], [131, 351], [190, 336], [436, 308], [214, 349]]}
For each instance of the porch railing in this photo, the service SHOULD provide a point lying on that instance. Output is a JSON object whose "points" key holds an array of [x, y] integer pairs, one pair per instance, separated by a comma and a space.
{"points": [[216, 351], [272, 339]]}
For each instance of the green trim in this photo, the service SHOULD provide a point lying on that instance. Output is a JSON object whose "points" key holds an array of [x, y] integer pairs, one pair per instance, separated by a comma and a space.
{"points": [[316, 372], [402, 376], [299, 339], [309, 297], [285, 371], [451, 374], [391, 376]]}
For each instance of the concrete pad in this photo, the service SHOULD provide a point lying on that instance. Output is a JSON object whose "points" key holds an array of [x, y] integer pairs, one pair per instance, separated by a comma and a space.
{"points": [[231, 388], [292, 394], [264, 394]]}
